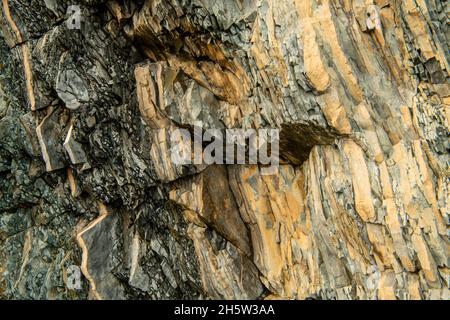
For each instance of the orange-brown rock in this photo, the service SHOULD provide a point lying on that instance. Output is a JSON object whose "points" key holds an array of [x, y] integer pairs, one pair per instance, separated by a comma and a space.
{"points": [[358, 208]]}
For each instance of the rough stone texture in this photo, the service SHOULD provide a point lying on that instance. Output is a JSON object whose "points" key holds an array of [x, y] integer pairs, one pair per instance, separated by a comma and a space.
{"points": [[358, 210]]}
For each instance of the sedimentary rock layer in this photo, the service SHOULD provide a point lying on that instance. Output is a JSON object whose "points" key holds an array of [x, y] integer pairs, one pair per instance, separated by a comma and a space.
{"points": [[90, 99]]}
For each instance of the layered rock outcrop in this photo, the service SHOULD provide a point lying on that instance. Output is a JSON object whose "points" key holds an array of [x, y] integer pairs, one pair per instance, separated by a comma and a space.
{"points": [[91, 96]]}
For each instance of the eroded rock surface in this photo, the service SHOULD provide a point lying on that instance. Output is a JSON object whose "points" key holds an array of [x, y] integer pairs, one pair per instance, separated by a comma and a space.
{"points": [[358, 209]]}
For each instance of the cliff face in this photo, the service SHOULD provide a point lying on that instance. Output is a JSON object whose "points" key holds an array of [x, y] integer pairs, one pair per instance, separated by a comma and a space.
{"points": [[359, 207]]}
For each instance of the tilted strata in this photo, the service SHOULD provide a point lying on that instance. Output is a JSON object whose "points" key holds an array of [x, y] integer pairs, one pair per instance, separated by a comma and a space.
{"points": [[359, 90]]}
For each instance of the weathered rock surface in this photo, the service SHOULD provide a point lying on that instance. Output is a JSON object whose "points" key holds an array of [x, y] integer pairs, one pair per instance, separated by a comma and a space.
{"points": [[358, 209]]}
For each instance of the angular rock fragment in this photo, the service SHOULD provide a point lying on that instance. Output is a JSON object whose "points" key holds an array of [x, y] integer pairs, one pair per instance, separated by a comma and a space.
{"points": [[226, 272], [99, 241], [74, 149], [49, 136], [71, 89], [209, 196]]}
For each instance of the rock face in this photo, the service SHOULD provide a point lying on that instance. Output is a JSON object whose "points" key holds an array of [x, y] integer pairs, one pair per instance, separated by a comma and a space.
{"points": [[93, 90]]}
